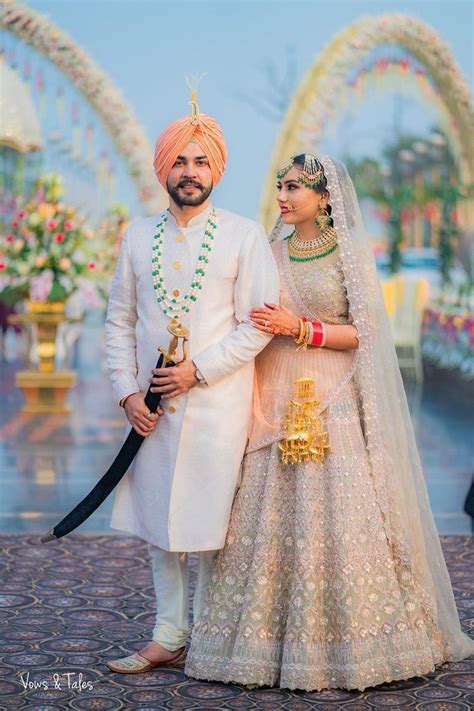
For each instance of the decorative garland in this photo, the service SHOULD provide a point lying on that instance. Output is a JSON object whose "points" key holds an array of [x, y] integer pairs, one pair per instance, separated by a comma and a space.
{"points": [[323, 91], [411, 79], [175, 307], [121, 123]]}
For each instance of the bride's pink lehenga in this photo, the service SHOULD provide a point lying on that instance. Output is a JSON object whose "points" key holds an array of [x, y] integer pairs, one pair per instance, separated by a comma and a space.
{"points": [[318, 585]]}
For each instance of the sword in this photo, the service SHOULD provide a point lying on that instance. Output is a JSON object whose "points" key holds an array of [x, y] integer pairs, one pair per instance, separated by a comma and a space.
{"points": [[128, 451]]}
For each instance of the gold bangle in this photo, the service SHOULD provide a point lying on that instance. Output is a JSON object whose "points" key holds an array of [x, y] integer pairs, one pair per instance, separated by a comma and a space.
{"points": [[307, 334], [305, 339], [302, 332], [299, 339]]}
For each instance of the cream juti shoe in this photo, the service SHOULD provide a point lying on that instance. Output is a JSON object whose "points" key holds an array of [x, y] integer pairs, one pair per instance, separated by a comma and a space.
{"points": [[136, 664]]}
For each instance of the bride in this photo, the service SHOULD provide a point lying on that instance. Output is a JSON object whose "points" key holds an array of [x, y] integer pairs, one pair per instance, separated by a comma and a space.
{"points": [[332, 574]]}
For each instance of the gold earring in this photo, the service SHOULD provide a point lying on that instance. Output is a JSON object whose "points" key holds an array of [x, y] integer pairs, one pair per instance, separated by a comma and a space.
{"points": [[323, 219]]}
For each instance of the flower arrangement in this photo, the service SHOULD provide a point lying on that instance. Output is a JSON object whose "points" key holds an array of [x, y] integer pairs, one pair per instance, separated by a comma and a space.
{"points": [[448, 331], [48, 252]]}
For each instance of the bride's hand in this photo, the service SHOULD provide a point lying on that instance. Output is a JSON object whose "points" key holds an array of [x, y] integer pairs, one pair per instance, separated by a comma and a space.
{"points": [[275, 319]]}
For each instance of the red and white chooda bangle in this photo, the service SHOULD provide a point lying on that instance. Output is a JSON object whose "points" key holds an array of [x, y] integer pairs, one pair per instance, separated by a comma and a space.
{"points": [[317, 334]]}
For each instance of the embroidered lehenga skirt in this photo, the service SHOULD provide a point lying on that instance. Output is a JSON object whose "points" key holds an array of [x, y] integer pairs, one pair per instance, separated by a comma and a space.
{"points": [[308, 592], [305, 593]]}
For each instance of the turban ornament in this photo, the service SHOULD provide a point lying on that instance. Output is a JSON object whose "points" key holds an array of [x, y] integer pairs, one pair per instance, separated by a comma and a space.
{"points": [[198, 128]]}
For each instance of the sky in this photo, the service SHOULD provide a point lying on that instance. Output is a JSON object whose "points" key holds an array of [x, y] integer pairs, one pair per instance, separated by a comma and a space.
{"points": [[148, 47]]}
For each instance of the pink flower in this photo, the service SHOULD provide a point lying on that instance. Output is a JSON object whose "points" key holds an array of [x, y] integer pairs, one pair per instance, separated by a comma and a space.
{"points": [[3, 265], [9, 239], [14, 224], [69, 225], [51, 224], [21, 215], [92, 266], [59, 237], [41, 286], [64, 263]]}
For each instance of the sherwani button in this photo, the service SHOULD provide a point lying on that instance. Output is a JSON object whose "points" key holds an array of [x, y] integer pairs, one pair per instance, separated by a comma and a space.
{"points": [[177, 265], [172, 409], [176, 292], [179, 238]]}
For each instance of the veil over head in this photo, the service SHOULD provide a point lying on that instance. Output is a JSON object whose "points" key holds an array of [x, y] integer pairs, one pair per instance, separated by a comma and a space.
{"points": [[388, 431]]}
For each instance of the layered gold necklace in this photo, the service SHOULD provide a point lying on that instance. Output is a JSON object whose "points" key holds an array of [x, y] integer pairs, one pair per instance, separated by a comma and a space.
{"points": [[306, 250]]}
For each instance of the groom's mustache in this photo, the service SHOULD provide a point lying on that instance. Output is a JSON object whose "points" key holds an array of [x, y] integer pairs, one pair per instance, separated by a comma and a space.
{"points": [[185, 183]]}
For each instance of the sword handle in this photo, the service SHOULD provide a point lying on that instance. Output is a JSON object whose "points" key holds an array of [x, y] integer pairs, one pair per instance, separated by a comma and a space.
{"points": [[178, 332], [168, 358], [152, 400]]}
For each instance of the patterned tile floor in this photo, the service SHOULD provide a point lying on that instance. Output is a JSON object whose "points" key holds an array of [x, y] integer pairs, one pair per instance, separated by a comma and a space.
{"points": [[67, 607]]}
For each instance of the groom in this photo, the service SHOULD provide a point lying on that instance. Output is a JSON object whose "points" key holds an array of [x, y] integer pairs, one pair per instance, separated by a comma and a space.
{"points": [[206, 268]]}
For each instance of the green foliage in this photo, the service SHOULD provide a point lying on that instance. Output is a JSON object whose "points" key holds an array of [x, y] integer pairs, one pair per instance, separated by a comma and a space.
{"points": [[393, 186]]}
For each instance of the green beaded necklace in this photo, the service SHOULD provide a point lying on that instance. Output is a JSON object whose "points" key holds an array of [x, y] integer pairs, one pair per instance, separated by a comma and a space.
{"points": [[311, 258], [176, 308]]}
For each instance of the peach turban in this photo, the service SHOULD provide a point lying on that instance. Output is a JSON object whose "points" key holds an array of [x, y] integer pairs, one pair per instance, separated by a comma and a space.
{"points": [[196, 127]]}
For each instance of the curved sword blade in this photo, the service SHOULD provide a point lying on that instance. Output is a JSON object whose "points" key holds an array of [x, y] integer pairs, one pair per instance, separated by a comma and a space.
{"points": [[110, 479]]}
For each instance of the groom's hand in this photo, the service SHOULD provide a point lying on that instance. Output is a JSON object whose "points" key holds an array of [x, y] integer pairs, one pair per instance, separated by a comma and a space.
{"points": [[139, 416], [175, 380]]}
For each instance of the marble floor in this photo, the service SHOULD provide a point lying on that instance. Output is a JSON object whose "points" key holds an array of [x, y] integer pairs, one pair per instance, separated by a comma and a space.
{"points": [[48, 463]]}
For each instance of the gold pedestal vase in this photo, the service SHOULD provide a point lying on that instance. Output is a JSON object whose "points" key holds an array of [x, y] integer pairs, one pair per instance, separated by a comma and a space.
{"points": [[45, 389]]}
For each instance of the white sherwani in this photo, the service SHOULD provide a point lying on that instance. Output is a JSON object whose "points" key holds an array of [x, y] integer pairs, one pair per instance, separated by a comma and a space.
{"points": [[179, 490]]}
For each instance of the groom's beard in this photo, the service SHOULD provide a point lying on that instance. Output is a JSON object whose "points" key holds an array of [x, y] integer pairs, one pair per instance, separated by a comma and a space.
{"points": [[181, 199]]}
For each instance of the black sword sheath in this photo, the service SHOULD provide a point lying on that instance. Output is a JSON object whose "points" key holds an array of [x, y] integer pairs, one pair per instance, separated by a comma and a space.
{"points": [[111, 478]]}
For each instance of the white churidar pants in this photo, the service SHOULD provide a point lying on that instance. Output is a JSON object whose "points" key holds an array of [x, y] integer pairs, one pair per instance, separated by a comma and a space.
{"points": [[171, 582]]}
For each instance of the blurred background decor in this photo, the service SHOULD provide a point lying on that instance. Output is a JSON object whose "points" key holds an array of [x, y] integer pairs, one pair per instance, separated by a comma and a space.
{"points": [[92, 137], [47, 256], [67, 134], [448, 331], [344, 66]]}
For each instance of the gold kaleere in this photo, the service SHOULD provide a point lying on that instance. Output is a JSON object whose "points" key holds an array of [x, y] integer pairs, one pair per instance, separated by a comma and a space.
{"points": [[306, 438]]}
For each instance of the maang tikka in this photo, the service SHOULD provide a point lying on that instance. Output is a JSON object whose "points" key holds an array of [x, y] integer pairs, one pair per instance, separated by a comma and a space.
{"points": [[311, 175]]}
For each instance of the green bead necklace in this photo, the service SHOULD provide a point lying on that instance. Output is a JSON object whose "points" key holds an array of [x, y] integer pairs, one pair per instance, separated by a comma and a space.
{"points": [[173, 307], [317, 254]]}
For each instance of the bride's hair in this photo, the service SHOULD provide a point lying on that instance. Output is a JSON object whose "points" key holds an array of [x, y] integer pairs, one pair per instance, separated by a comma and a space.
{"points": [[321, 188]]}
